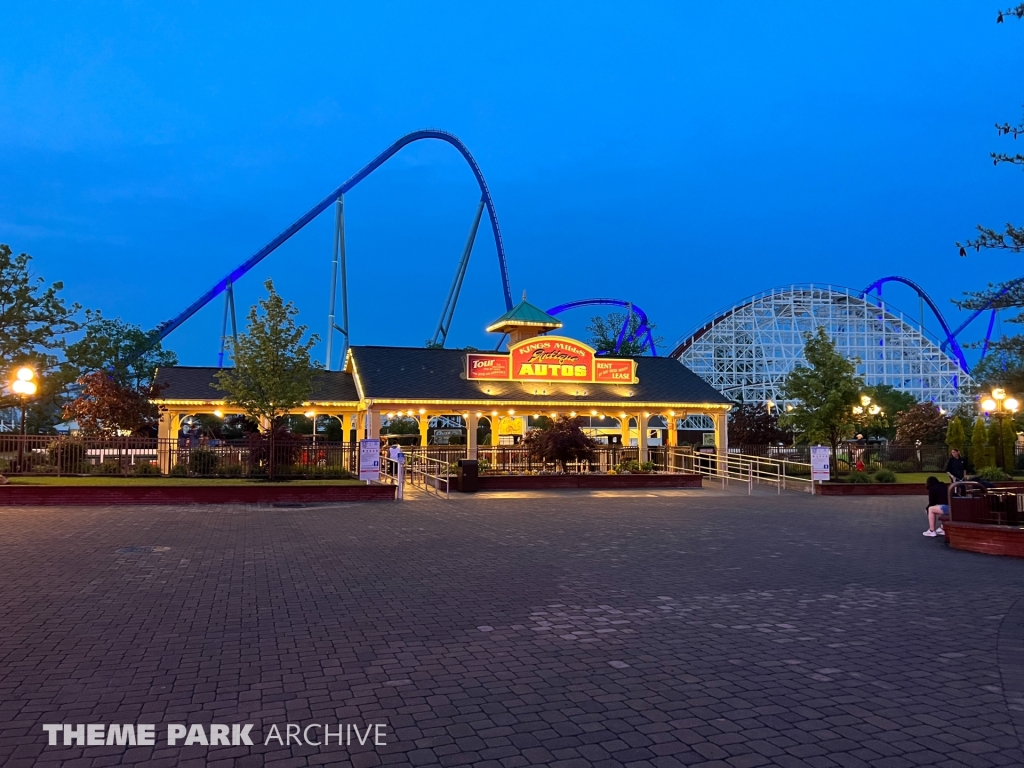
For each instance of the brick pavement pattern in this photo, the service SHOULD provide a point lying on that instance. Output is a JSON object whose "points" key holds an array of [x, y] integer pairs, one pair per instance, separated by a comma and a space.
{"points": [[564, 629]]}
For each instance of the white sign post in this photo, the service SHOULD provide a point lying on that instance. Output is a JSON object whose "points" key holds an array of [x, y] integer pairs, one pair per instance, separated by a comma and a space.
{"points": [[820, 459], [369, 460]]}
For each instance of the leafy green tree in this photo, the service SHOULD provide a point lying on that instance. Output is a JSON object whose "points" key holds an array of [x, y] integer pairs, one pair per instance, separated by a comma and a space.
{"points": [[825, 392], [604, 333], [955, 434], [123, 350], [891, 402], [273, 369], [1008, 438], [1012, 238], [35, 320], [979, 445], [994, 435], [403, 425]]}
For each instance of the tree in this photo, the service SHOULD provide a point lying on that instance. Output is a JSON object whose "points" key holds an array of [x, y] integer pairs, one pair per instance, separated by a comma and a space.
{"points": [[1012, 239], [825, 392], [126, 352], [1008, 438], [403, 425], [891, 402], [979, 446], [273, 370], [33, 319], [34, 322], [106, 408], [563, 441], [604, 334], [924, 423], [955, 435], [755, 424]]}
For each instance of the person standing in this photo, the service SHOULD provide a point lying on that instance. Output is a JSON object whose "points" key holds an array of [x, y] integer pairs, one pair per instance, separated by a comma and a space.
{"points": [[955, 466]]}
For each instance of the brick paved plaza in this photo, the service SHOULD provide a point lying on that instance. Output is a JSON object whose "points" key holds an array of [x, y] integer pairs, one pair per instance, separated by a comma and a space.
{"points": [[564, 629]]}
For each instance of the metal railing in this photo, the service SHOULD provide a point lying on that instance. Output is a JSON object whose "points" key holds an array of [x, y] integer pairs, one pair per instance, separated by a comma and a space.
{"points": [[752, 470], [429, 473]]}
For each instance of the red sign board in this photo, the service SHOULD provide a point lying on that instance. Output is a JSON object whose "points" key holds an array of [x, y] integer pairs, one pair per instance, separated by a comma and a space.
{"points": [[487, 367], [550, 358]]}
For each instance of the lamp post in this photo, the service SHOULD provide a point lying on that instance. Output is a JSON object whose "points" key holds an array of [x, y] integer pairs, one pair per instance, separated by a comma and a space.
{"points": [[999, 404], [24, 386]]}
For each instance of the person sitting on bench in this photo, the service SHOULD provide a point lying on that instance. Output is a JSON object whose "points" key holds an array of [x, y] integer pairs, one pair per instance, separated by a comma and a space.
{"points": [[938, 504]]}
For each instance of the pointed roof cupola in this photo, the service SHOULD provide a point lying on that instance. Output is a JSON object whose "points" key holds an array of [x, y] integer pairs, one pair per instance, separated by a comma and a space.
{"points": [[524, 321]]}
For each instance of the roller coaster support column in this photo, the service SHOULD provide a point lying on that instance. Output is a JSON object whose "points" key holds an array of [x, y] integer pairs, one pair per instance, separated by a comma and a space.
{"points": [[441, 334], [339, 260], [229, 311]]}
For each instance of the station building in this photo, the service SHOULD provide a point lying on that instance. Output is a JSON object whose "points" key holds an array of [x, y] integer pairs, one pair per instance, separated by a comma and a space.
{"points": [[628, 401]]}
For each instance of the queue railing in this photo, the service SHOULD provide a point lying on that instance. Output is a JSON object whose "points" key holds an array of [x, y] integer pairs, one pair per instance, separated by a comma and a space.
{"points": [[752, 470]]}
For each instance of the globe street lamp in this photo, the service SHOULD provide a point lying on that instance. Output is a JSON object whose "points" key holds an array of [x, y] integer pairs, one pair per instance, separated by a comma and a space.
{"points": [[999, 404], [24, 386]]}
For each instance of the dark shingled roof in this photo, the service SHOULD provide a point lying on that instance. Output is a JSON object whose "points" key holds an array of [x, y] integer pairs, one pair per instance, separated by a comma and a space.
{"points": [[413, 373], [185, 382]]}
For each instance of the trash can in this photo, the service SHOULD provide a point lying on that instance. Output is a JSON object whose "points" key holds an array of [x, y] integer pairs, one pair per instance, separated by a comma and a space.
{"points": [[469, 476]]}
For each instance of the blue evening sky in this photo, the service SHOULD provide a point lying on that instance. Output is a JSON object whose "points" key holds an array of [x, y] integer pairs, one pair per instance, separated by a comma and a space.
{"points": [[679, 155]]}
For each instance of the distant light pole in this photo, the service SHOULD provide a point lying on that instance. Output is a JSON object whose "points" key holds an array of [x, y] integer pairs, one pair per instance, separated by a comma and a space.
{"points": [[24, 386]]}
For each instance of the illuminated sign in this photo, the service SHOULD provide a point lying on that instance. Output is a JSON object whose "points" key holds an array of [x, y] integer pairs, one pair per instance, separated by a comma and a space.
{"points": [[550, 358]]}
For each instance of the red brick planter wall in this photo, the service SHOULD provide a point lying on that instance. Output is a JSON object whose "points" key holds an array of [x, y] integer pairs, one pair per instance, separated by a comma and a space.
{"points": [[871, 489], [70, 496], [986, 539], [543, 482]]}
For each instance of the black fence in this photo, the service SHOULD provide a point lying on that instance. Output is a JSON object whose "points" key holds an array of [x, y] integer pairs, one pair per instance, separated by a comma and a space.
{"points": [[182, 457]]}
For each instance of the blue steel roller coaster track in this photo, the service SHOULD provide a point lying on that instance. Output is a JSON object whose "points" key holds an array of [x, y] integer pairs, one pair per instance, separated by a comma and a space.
{"points": [[641, 333], [168, 327]]}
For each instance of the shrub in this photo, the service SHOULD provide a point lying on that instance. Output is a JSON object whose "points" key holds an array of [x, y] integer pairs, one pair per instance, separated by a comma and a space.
{"points": [[146, 469], [628, 467], [231, 470], [203, 461], [885, 476], [69, 454], [179, 470], [992, 473], [859, 477], [108, 467], [647, 466]]}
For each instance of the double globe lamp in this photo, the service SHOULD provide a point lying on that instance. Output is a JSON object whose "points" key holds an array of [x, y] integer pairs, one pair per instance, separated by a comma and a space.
{"points": [[24, 386]]}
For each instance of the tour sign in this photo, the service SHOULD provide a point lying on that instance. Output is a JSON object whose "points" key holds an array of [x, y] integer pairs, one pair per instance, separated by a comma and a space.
{"points": [[550, 358]]}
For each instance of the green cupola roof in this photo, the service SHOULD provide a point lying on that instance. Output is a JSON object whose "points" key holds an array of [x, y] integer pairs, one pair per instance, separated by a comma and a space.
{"points": [[524, 315]]}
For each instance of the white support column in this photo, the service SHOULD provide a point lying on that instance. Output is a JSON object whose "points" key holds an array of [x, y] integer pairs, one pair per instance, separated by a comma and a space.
{"points": [[641, 440]]}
